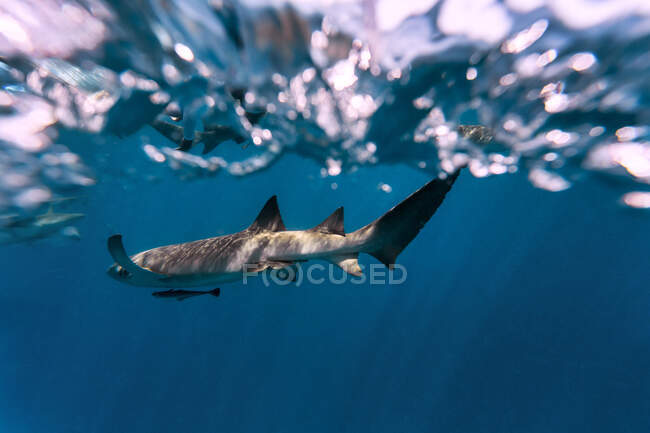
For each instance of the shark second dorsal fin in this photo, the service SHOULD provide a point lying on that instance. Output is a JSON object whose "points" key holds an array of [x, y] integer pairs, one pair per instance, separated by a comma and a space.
{"points": [[269, 217], [333, 224]]}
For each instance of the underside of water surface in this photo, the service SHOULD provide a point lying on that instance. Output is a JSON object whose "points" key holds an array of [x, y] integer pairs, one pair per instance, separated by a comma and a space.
{"points": [[559, 91]]}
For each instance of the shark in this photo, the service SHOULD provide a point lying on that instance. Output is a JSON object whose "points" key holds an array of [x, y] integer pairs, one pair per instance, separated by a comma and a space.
{"points": [[267, 245], [15, 228]]}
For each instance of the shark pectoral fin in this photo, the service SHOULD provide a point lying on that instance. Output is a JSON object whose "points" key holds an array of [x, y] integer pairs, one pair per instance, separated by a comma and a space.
{"points": [[348, 262], [269, 264], [255, 267], [277, 265], [117, 251], [71, 232]]}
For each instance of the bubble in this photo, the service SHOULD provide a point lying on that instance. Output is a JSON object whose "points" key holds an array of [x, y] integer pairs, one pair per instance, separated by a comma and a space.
{"points": [[394, 74], [582, 61], [319, 40], [547, 180], [627, 133], [33, 197], [596, 131], [525, 38], [637, 199], [153, 153], [333, 167], [556, 103], [184, 52]]}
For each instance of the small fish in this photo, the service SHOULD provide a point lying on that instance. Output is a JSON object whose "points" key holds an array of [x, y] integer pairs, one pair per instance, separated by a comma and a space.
{"points": [[478, 134], [181, 295], [211, 137]]}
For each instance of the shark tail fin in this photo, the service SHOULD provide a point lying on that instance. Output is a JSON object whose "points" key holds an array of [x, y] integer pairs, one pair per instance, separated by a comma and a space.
{"points": [[393, 231], [215, 292]]}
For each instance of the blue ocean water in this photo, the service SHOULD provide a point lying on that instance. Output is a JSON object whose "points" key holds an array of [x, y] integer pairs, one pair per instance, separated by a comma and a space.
{"points": [[526, 302], [523, 310]]}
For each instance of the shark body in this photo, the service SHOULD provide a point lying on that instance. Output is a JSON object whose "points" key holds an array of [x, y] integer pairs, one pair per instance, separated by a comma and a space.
{"points": [[267, 244], [14, 229]]}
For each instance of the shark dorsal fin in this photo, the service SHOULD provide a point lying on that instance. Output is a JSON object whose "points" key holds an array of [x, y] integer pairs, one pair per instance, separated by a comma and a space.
{"points": [[269, 218], [333, 224]]}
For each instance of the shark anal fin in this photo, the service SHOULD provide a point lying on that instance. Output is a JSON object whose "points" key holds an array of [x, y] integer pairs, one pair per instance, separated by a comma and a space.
{"points": [[269, 218], [348, 262], [333, 224]]}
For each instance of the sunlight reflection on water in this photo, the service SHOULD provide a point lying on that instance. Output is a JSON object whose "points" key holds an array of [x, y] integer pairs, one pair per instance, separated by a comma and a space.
{"points": [[433, 84]]}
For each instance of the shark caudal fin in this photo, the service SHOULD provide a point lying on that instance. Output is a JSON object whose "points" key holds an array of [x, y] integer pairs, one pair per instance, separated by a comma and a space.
{"points": [[215, 292], [391, 233]]}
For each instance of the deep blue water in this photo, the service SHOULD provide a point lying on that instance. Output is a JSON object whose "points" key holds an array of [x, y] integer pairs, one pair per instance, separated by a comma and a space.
{"points": [[523, 311]]}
